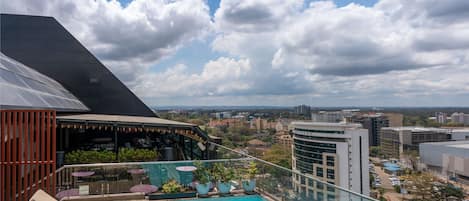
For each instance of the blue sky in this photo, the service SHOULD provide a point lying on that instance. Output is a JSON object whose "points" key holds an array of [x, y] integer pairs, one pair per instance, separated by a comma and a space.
{"points": [[276, 52]]}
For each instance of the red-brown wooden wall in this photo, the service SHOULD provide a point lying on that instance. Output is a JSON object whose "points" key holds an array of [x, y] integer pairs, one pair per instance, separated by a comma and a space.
{"points": [[28, 153]]}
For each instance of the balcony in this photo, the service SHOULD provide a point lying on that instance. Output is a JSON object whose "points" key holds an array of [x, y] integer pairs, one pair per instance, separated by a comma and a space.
{"points": [[146, 179]]}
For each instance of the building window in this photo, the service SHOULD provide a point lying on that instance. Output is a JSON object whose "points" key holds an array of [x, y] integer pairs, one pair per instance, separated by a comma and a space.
{"points": [[319, 172]]}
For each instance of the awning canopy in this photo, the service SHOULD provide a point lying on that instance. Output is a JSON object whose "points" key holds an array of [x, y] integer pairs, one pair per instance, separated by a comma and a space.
{"points": [[131, 124]]}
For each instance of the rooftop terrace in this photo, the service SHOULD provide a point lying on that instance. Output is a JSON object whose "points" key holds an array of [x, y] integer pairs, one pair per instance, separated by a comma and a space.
{"points": [[273, 182]]}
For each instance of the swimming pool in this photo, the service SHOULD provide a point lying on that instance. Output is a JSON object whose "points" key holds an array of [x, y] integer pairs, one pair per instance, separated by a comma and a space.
{"points": [[234, 198]]}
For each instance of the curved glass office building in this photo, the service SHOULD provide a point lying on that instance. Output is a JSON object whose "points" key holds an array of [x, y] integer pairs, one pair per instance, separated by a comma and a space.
{"points": [[333, 152]]}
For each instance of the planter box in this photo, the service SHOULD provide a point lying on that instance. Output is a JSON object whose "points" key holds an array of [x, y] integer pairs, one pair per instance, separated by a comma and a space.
{"points": [[160, 196]]}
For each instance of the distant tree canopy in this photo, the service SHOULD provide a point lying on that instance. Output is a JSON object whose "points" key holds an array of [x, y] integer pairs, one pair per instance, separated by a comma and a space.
{"points": [[279, 155], [419, 120]]}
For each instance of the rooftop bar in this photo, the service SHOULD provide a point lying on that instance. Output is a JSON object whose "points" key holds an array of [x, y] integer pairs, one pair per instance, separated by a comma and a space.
{"points": [[149, 179]]}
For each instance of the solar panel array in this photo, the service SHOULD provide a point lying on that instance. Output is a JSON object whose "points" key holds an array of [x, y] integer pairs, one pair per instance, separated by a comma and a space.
{"points": [[24, 87]]}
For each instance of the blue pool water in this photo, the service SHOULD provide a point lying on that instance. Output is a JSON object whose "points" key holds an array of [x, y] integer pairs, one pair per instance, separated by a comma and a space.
{"points": [[234, 198]]}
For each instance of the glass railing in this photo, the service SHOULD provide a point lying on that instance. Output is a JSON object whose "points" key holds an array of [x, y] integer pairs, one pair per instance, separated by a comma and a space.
{"points": [[273, 182]]}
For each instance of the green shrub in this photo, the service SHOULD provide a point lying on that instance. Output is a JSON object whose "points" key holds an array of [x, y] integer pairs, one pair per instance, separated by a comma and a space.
{"points": [[251, 171], [222, 173], [80, 157], [125, 155], [137, 155], [172, 186], [202, 173]]}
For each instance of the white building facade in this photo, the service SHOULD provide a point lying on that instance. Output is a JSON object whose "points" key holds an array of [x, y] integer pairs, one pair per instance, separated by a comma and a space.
{"points": [[450, 158], [336, 153], [460, 118]]}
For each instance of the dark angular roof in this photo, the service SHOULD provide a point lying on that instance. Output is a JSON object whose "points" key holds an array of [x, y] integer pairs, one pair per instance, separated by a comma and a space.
{"points": [[45, 45]]}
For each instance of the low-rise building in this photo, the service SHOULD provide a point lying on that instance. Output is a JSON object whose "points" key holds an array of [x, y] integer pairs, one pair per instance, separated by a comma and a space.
{"points": [[449, 158], [460, 118], [282, 125], [226, 122], [396, 140], [460, 134], [284, 140], [395, 119]]}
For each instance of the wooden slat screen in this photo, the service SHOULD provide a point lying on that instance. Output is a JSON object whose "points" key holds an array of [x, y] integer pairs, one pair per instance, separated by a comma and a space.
{"points": [[27, 153]]}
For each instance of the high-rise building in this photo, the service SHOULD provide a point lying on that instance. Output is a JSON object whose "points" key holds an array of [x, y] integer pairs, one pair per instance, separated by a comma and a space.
{"points": [[302, 110], [374, 123], [441, 117], [333, 116], [333, 152], [397, 140]]}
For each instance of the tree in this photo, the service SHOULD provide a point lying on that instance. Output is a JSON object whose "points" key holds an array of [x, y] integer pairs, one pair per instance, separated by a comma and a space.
{"points": [[413, 157], [279, 155], [375, 151], [422, 182], [450, 190]]}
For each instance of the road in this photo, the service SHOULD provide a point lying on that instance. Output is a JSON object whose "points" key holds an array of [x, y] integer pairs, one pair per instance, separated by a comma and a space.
{"points": [[389, 193]]}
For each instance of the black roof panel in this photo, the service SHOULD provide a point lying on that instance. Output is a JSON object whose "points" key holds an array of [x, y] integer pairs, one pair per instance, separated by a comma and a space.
{"points": [[45, 45]]}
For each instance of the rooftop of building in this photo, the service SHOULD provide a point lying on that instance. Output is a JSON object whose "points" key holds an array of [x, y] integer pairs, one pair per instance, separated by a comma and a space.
{"points": [[464, 144], [326, 124], [416, 129], [256, 142]]}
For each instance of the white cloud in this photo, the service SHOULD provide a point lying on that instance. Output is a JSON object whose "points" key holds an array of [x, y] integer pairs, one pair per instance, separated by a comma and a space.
{"points": [[275, 52], [219, 77], [337, 51], [127, 39]]}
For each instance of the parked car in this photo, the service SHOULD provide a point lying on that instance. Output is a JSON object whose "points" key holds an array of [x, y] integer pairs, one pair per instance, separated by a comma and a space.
{"points": [[396, 183]]}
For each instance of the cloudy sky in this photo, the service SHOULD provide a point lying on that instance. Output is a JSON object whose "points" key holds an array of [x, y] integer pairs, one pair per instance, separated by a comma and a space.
{"points": [[276, 52]]}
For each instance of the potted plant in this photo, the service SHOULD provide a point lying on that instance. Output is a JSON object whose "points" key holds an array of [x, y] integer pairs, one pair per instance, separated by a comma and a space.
{"points": [[201, 175], [249, 180], [223, 176], [171, 190]]}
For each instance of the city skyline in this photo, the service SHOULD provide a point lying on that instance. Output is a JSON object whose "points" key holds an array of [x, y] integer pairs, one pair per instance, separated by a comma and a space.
{"points": [[324, 53]]}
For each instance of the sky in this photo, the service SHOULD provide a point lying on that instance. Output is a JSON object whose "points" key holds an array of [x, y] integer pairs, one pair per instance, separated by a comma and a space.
{"points": [[275, 52]]}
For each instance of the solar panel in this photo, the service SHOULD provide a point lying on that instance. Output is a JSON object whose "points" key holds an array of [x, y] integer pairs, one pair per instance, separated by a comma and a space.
{"points": [[24, 87]]}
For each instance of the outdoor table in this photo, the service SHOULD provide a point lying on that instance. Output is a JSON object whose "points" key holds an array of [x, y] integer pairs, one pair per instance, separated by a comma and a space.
{"points": [[185, 174], [67, 193], [136, 171], [137, 175], [143, 188], [82, 174]]}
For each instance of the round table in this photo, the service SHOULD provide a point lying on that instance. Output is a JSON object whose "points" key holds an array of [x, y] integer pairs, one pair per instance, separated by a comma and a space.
{"points": [[143, 188], [67, 193], [185, 174], [186, 168], [137, 175], [136, 171], [83, 174]]}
